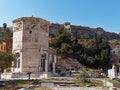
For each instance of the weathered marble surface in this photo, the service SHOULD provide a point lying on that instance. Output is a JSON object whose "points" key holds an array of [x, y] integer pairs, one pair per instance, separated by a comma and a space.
{"points": [[30, 38]]}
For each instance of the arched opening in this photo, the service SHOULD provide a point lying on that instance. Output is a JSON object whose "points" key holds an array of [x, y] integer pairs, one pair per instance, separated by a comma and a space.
{"points": [[42, 66], [17, 60]]}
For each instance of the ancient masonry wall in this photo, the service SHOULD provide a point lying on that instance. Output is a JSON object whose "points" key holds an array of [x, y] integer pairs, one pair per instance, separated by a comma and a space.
{"points": [[30, 39]]}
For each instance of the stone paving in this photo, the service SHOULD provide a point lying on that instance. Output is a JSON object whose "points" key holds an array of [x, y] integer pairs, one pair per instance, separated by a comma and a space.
{"points": [[70, 88], [78, 88]]}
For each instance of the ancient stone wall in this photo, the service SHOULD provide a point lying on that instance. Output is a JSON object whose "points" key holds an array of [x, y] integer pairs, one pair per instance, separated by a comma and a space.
{"points": [[30, 38]]}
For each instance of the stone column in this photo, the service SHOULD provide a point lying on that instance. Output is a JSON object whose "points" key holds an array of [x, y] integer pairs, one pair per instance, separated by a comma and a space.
{"points": [[54, 62], [46, 66], [119, 69]]}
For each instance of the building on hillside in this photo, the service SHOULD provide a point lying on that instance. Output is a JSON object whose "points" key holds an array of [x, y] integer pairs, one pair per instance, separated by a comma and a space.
{"points": [[3, 47], [112, 41], [112, 73], [30, 45], [114, 49], [55, 26], [67, 26], [6, 45], [8, 42]]}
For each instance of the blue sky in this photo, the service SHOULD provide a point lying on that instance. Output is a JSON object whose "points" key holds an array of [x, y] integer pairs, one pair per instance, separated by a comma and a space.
{"points": [[92, 13]]}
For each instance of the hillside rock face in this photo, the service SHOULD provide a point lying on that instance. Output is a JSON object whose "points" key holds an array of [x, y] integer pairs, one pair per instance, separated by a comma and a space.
{"points": [[82, 31], [85, 32]]}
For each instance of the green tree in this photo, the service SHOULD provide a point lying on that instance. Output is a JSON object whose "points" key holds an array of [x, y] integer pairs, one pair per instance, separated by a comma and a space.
{"points": [[5, 60], [98, 61], [97, 53], [4, 25], [77, 48], [84, 76], [105, 56], [7, 34], [51, 34], [96, 43], [65, 47], [90, 61], [62, 41]]}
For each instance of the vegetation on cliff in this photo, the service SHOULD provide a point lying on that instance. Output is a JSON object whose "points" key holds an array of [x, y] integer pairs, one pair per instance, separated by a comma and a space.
{"points": [[85, 32], [95, 55], [5, 32]]}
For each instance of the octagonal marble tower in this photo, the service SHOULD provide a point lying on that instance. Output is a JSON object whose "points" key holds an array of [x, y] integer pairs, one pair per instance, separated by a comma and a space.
{"points": [[30, 44]]}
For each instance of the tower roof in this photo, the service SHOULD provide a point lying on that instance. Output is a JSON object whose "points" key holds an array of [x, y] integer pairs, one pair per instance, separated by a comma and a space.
{"points": [[31, 19]]}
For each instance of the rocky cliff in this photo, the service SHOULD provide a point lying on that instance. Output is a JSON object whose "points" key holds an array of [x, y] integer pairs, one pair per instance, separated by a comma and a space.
{"points": [[85, 32]]}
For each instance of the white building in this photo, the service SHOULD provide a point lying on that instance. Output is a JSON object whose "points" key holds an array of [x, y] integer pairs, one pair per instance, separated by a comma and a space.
{"points": [[30, 44], [112, 73], [67, 26], [31, 49], [114, 51]]}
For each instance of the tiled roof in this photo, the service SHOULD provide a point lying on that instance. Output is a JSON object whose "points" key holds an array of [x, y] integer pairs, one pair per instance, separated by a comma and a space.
{"points": [[30, 19], [112, 46], [69, 63]]}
